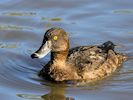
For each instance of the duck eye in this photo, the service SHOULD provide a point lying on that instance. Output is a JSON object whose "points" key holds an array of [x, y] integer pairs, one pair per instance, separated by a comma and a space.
{"points": [[55, 38]]}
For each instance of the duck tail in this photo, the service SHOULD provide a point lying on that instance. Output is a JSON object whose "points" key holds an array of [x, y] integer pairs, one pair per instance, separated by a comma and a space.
{"points": [[107, 46]]}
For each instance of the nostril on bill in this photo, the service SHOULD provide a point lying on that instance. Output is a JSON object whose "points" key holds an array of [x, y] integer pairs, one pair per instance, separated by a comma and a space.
{"points": [[34, 56]]}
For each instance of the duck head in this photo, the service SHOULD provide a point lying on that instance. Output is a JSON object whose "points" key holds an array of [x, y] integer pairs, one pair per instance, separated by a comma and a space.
{"points": [[55, 40]]}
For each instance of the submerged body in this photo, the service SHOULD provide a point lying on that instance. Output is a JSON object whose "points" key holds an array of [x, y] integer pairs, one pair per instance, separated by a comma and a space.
{"points": [[84, 63]]}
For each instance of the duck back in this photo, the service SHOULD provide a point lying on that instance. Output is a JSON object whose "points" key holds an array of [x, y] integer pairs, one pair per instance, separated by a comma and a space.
{"points": [[95, 62]]}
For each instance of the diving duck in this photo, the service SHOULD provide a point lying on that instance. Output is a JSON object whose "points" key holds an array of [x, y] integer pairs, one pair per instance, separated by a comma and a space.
{"points": [[87, 63]]}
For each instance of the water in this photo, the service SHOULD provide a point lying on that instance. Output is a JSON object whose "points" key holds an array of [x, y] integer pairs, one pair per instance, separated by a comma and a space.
{"points": [[22, 25]]}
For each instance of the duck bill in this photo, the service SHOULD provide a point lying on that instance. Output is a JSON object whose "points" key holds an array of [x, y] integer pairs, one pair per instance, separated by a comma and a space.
{"points": [[43, 50]]}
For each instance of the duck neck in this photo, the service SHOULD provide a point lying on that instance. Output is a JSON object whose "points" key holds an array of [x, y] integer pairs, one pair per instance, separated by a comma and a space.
{"points": [[59, 57]]}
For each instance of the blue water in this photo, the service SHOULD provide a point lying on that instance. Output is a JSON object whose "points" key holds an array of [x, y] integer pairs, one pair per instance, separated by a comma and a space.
{"points": [[22, 26]]}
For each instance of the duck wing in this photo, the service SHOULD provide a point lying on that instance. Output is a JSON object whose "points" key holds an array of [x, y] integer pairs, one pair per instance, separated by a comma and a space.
{"points": [[87, 57]]}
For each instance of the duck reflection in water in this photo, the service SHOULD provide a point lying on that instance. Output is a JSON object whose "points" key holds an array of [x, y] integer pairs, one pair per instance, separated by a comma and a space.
{"points": [[56, 93]]}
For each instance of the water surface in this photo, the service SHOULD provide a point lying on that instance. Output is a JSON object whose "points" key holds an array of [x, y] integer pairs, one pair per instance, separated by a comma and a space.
{"points": [[22, 26]]}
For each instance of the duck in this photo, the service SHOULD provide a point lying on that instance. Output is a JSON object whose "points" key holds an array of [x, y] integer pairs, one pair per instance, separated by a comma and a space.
{"points": [[82, 63]]}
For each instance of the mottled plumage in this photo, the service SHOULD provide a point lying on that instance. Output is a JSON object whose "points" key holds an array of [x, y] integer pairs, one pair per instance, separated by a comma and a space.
{"points": [[83, 63]]}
